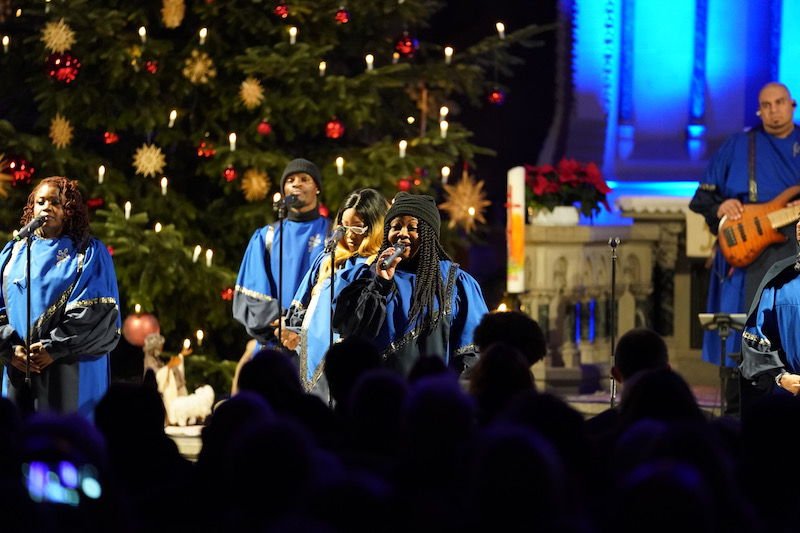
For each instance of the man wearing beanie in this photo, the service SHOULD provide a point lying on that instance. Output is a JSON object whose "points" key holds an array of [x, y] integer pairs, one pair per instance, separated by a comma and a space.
{"points": [[256, 298], [420, 302]]}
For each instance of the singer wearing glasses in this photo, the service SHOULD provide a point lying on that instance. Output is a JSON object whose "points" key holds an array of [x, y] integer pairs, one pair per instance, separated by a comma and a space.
{"points": [[356, 239], [74, 304], [414, 300], [303, 231]]}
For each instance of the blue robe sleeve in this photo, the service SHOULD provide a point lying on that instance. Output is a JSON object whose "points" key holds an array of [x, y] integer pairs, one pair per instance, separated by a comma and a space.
{"points": [[302, 297], [89, 323], [254, 302], [468, 311], [712, 189], [8, 335], [761, 342]]}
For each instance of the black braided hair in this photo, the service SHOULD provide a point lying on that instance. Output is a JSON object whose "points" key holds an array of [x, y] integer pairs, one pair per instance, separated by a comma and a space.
{"points": [[429, 282]]}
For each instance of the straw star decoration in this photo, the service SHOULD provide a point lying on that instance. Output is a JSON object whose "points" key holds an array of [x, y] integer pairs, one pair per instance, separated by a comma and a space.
{"points": [[172, 12], [58, 37], [255, 184], [60, 131], [465, 203], [199, 68], [149, 160], [251, 92]]}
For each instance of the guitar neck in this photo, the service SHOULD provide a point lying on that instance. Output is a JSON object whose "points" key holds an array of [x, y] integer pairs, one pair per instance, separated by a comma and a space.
{"points": [[784, 217]]}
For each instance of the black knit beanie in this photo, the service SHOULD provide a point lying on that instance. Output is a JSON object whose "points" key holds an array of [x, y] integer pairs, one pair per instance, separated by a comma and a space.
{"points": [[297, 166], [420, 206]]}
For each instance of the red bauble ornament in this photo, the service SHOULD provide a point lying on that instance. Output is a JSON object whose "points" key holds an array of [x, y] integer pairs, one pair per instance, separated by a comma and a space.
{"points": [[406, 45], [342, 16], [281, 10], [334, 128], [230, 174], [264, 128], [496, 97], [205, 149], [404, 185], [227, 294], [138, 326], [21, 171], [95, 203], [63, 67], [110, 249], [323, 210], [110, 137], [151, 65]]}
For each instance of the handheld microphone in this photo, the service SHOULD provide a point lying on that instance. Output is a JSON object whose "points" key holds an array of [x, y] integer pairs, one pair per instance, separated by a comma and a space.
{"points": [[399, 248], [290, 200], [335, 237], [30, 227]]}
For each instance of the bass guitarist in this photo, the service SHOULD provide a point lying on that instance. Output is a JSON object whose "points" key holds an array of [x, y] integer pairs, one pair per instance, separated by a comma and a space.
{"points": [[753, 166]]}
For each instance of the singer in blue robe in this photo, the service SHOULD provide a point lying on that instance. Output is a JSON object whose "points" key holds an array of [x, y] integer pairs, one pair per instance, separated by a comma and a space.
{"points": [[74, 305], [356, 240], [303, 232], [421, 303], [774, 150]]}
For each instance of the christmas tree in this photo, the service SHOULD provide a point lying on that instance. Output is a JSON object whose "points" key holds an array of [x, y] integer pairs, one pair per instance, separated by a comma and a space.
{"points": [[177, 119]]}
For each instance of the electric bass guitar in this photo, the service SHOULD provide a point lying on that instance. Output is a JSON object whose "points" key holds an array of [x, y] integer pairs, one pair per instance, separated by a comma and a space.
{"points": [[742, 241]]}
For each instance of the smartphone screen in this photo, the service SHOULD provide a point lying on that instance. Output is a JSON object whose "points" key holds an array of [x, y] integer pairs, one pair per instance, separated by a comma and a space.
{"points": [[62, 482]]}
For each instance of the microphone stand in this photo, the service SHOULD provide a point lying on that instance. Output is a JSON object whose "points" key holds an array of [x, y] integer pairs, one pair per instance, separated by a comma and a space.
{"points": [[613, 242], [280, 207], [330, 329]]}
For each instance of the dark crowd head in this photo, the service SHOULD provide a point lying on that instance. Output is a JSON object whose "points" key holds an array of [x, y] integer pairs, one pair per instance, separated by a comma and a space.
{"points": [[429, 251], [639, 349], [660, 394], [515, 329], [345, 362], [76, 214], [272, 375], [500, 374]]}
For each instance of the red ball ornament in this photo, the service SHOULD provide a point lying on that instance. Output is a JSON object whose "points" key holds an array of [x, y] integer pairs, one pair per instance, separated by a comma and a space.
{"points": [[138, 326], [227, 294], [264, 128], [63, 67], [496, 97], [21, 171], [342, 16], [334, 129], [281, 10], [230, 174], [110, 137], [151, 66], [205, 149], [404, 185], [323, 210], [406, 45], [110, 249], [95, 203]]}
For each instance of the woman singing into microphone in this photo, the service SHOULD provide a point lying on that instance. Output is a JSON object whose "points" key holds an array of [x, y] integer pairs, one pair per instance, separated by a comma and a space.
{"points": [[421, 303]]}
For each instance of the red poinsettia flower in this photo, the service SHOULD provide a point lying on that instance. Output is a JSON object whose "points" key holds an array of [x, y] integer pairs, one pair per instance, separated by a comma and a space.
{"points": [[570, 182]]}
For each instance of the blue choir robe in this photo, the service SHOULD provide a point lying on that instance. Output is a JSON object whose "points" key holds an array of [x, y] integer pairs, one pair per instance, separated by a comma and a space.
{"points": [[777, 167], [255, 299], [311, 313], [377, 309], [75, 314], [771, 337]]}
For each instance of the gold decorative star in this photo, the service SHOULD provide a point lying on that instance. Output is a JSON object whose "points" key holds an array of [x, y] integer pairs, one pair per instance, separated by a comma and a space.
{"points": [[255, 184], [251, 92], [58, 37], [465, 203], [172, 12], [199, 68], [149, 161], [60, 131]]}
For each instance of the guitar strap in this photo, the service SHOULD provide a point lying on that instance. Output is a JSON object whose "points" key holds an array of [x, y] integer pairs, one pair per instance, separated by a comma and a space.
{"points": [[751, 165]]}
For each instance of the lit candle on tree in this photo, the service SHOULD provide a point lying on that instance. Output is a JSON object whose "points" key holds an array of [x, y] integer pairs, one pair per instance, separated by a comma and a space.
{"points": [[6, 42], [172, 116], [187, 344], [340, 165], [164, 186], [196, 253], [448, 55], [402, 145], [443, 125], [501, 30], [209, 257], [101, 173], [143, 34], [157, 227], [445, 174], [322, 67], [370, 60], [137, 309], [128, 207], [292, 34], [199, 335], [232, 142], [443, 111], [203, 35]]}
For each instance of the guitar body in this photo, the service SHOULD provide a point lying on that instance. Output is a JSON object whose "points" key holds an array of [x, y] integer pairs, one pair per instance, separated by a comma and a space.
{"points": [[742, 241]]}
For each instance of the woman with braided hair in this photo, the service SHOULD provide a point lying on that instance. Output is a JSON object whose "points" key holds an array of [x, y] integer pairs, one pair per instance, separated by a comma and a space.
{"points": [[416, 301], [74, 305]]}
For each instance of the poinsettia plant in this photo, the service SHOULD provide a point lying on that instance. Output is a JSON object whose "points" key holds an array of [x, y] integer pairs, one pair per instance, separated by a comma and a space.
{"points": [[568, 183]]}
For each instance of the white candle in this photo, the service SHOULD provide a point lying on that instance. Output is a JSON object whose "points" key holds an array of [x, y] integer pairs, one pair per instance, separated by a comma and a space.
{"points": [[143, 34], [209, 257], [443, 111], [47, 6], [200, 336], [187, 344], [322, 66], [445, 174], [196, 253], [448, 55], [157, 227], [203, 35], [443, 125], [137, 309], [128, 210], [410, 119], [292, 34], [6, 42], [276, 198], [232, 141], [370, 60], [172, 116], [501, 30], [395, 58], [340, 165], [101, 172], [164, 186], [402, 145]]}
